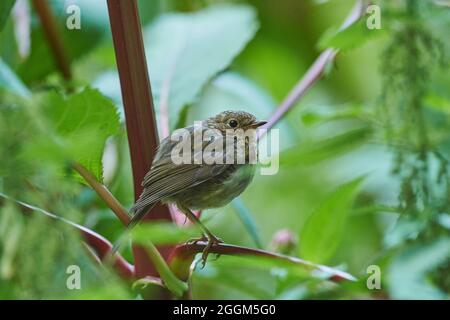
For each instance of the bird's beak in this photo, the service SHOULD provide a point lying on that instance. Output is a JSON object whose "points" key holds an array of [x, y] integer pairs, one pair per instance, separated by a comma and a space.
{"points": [[257, 124]]}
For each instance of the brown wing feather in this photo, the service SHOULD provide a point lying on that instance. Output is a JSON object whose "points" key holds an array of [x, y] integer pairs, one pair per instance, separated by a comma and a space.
{"points": [[166, 179], [176, 178]]}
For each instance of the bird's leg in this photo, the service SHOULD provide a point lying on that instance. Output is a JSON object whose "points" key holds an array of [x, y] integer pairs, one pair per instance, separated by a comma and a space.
{"points": [[208, 235]]}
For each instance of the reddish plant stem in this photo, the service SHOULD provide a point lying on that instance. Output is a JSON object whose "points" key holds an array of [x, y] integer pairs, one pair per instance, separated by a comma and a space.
{"points": [[184, 255], [53, 37], [135, 86], [313, 74], [103, 248], [138, 103]]}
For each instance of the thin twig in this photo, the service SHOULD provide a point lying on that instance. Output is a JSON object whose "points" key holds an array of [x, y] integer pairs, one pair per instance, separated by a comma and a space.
{"points": [[103, 193], [53, 37], [313, 74]]}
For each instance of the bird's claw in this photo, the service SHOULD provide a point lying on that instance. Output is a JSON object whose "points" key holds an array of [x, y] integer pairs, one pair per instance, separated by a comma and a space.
{"points": [[212, 241]]}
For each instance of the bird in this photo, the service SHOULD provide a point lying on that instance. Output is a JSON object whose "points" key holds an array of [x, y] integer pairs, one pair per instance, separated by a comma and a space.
{"points": [[200, 185]]}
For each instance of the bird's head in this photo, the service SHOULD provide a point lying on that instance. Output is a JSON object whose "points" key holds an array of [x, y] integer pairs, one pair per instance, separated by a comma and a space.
{"points": [[234, 120]]}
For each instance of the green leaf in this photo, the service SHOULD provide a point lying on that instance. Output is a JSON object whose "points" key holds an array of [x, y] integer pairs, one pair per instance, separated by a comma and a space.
{"points": [[83, 121], [175, 285], [324, 228], [349, 38], [310, 118], [438, 102], [5, 9], [313, 152], [186, 50], [409, 268], [10, 81], [161, 233]]}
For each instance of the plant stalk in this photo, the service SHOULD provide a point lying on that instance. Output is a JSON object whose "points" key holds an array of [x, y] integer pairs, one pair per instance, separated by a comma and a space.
{"points": [[139, 112]]}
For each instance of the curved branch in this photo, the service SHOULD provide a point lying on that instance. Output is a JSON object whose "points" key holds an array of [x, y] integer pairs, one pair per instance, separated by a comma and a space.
{"points": [[184, 255]]}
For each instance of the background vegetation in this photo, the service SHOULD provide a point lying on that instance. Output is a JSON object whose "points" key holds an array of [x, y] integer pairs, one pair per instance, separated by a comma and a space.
{"points": [[363, 176]]}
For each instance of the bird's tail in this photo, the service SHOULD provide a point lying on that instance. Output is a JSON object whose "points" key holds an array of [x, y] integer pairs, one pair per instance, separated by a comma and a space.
{"points": [[138, 214]]}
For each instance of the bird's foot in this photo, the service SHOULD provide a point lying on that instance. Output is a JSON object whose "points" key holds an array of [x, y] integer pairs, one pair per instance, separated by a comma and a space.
{"points": [[212, 241]]}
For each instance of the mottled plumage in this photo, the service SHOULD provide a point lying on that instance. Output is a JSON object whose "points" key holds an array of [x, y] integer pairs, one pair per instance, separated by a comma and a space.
{"points": [[196, 186], [200, 186]]}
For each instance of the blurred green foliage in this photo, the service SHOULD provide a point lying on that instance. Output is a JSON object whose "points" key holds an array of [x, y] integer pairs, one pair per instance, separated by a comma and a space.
{"points": [[323, 230], [382, 112], [5, 9]]}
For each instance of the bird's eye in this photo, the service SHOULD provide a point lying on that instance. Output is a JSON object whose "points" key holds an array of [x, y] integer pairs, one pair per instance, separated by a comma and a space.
{"points": [[233, 123]]}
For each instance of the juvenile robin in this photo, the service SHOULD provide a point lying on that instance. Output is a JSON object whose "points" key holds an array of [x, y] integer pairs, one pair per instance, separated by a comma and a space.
{"points": [[197, 186]]}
